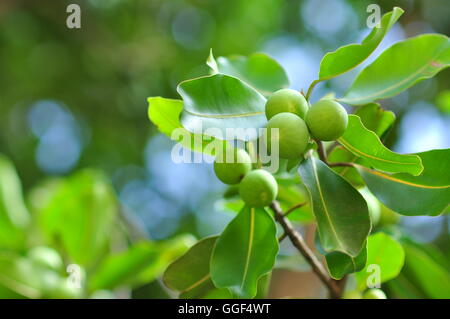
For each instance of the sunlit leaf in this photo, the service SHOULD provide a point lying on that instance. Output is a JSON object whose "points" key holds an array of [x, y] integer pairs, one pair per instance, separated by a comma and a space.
{"points": [[385, 257], [143, 262], [245, 251], [348, 57], [190, 273], [341, 212], [375, 119], [400, 67], [78, 215], [366, 144], [14, 216], [213, 104], [165, 114], [426, 194], [258, 70]]}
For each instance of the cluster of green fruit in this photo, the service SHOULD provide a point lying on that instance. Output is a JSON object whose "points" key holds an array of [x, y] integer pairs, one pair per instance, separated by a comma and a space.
{"points": [[288, 111]]}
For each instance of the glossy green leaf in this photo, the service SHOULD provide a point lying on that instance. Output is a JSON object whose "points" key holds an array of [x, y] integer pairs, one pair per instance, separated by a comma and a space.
{"points": [[340, 264], [400, 67], [351, 174], [431, 277], [258, 70], [366, 144], [348, 57], [14, 216], [341, 212], [245, 251], [426, 194], [77, 214], [384, 252], [220, 102], [190, 273], [165, 114], [141, 263], [375, 119]]}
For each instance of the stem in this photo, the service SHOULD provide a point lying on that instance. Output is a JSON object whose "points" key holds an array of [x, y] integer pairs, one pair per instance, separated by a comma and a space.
{"points": [[310, 89], [321, 152], [341, 164], [299, 243], [290, 210]]}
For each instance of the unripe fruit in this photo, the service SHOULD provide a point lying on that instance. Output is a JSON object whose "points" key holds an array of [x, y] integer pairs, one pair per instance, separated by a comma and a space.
{"points": [[258, 188], [292, 135], [327, 120], [374, 293], [352, 294], [286, 100], [231, 166]]}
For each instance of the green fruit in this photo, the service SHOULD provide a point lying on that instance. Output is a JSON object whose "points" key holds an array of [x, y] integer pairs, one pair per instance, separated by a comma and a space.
{"points": [[292, 135], [374, 294], [258, 188], [352, 294], [231, 166], [372, 204], [327, 120], [286, 100], [46, 257]]}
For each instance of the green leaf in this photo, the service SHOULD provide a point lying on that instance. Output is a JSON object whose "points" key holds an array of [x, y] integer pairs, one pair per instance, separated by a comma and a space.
{"points": [[341, 212], [340, 264], [190, 273], [258, 70], [245, 251], [400, 67], [14, 216], [165, 114], [366, 144], [77, 214], [141, 263], [220, 102], [384, 252], [351, 174], [426, 194], [430, 276], [375, 119], [348, 57]]}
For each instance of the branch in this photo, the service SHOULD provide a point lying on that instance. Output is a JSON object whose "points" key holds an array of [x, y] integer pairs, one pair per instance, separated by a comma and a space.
{"points": [[341, 164], [299, 243], [321, 152]]}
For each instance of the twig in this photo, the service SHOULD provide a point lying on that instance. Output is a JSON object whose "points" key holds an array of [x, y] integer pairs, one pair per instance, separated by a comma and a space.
{"points": [[299, 243], [321, 152]]}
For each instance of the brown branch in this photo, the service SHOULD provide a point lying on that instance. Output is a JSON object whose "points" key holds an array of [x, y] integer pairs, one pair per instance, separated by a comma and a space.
{"points": [[321, 152], [299, 243]]}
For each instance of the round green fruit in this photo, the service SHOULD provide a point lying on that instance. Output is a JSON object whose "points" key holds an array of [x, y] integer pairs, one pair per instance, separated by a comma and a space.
{"points": [[292, 137], [352, 294], [286, 100], [46, 257], [258, 188], [327, 120], [231, 166], [374, 293]]}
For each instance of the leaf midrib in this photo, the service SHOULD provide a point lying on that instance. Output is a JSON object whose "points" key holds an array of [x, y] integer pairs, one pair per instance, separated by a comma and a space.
{"points": [[327, 214], [250, 245]]}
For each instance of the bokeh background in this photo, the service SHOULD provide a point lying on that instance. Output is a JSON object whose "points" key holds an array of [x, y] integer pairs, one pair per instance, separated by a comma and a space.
{"points": [[76, 98]]}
